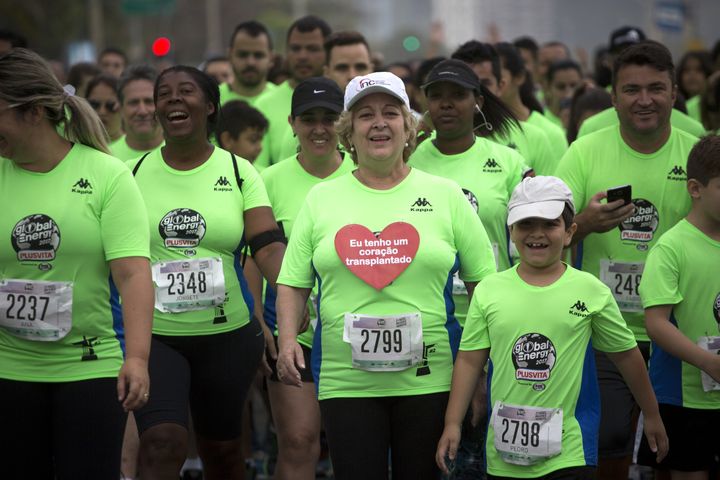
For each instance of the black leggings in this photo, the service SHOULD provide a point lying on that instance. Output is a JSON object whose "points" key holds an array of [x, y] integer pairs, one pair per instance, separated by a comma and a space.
{"points": [[211, 373], [361, 432], [63, 431]]}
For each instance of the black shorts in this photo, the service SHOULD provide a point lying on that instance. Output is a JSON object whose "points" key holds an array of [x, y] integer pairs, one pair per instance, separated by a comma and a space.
{"points": [[209, 373], [61, 431], [693, 444], [305, 373], [618, 410], [572, 473]]}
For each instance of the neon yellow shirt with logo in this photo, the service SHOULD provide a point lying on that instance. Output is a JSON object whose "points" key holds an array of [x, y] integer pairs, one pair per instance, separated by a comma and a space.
{"points": [[227, 94], [609, 117], [276, 108], [603, 160], [541, 356], [288, 184], [59, 232], [682, 270], [487, 173], [198, 214], [120, 149], [430, 231]]}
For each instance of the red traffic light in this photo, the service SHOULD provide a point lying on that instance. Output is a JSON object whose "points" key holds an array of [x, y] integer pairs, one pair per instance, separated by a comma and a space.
{"points": [[161, 46]]}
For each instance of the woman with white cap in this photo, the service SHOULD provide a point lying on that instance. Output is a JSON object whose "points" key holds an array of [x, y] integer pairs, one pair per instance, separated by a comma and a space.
{"points": [[383, 244]]}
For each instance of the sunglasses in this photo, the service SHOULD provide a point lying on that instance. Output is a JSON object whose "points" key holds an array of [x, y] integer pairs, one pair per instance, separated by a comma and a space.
{"points": [[110, 105]]}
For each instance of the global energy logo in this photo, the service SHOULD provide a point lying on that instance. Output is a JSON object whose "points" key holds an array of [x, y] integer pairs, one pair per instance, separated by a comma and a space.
{"points": [[641, 226], [533, 356], [36, 238], [182, 228]]}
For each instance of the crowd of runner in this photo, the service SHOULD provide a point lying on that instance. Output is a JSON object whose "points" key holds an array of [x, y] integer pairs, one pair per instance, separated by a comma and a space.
{"points": [[493, 265]]}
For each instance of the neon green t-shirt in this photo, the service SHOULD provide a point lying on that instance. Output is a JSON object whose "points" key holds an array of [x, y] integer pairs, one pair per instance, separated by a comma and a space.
{"points": [[227, 94], [125, 152], [287, 184], [65, 226], [609, 117], [198, 215], [555, 134], [682, 270], [541, 356], [534, 147], [407, 241], [276, 108], [693, 108], [603, 160], [487, 173]]}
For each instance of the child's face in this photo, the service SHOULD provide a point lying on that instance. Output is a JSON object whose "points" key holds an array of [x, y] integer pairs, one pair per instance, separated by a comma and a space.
{"points": [[708, 198], [539, 241], [248, 144]]}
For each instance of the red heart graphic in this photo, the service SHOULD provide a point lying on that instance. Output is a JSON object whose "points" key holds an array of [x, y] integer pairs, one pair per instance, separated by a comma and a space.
{"points": [[377, 261]]}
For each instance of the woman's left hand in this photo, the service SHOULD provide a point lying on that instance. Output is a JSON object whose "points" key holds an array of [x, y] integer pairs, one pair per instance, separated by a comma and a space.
{"points": [[133, 385]]}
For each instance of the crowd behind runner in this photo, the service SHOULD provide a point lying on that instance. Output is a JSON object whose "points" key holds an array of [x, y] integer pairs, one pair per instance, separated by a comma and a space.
{"points": [[392, 346]]}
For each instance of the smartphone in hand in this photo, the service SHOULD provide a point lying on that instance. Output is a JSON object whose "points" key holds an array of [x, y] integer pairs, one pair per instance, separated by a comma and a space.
{"points": [[623, 192]]}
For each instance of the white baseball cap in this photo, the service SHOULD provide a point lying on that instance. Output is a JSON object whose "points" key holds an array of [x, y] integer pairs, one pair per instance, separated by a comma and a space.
{"points": [[539, 197], [378, 82]]}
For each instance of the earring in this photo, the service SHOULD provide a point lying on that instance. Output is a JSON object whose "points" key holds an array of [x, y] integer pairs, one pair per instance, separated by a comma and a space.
{"points": [[407, 144], [484, 123], [352, 148]]}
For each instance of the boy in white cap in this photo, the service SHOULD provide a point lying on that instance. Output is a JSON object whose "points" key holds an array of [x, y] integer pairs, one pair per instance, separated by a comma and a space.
{"points": [[535, 322]]}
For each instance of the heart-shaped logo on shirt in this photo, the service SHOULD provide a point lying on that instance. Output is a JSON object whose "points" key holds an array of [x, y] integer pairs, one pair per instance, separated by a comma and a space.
{"points": [[379, 260]]}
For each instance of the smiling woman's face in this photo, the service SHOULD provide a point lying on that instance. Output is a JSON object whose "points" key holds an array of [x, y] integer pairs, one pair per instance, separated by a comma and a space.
{"points": [[181, 106], [378, 128]]}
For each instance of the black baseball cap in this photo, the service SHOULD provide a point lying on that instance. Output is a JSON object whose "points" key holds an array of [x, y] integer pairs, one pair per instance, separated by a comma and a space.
{"points": [[454, 71], [624, 37], [316, 92]]}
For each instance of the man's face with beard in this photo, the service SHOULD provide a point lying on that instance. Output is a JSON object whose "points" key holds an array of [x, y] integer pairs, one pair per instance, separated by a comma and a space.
{"points": [[305, 54], [251, 58]]}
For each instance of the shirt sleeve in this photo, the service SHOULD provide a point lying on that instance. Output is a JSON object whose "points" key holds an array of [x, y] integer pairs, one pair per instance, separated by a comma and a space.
{"points": [[124, 225], [610, 333], [571, 171], [253, 188], [297, 269], [660, 283], [475, 335], [477, 259]]}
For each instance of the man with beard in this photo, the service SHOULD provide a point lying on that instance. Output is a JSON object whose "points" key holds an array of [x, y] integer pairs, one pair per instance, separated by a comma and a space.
{"points": [[305, 58], [251, 58]]}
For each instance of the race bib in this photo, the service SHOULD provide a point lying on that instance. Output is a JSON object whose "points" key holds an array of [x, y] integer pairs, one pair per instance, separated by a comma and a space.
{"points": [[712, 345], [35, 310], [386, 343], [527, 435], [623, 280], [314, 312], [458, 286], [185, 285]]}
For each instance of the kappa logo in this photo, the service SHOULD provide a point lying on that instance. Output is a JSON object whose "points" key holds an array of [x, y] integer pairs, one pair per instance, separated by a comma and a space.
{"points": [[82, 187], [579, 309], [492, 166], [421, 205], [222, 185], [677, 173]]}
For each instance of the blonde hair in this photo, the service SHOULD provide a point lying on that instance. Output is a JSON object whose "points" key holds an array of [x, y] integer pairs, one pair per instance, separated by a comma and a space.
{"points": [[26, 81], [344, 129]]}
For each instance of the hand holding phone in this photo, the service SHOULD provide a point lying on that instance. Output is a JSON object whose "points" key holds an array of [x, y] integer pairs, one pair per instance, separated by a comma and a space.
{"points": [[623, 193]]}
